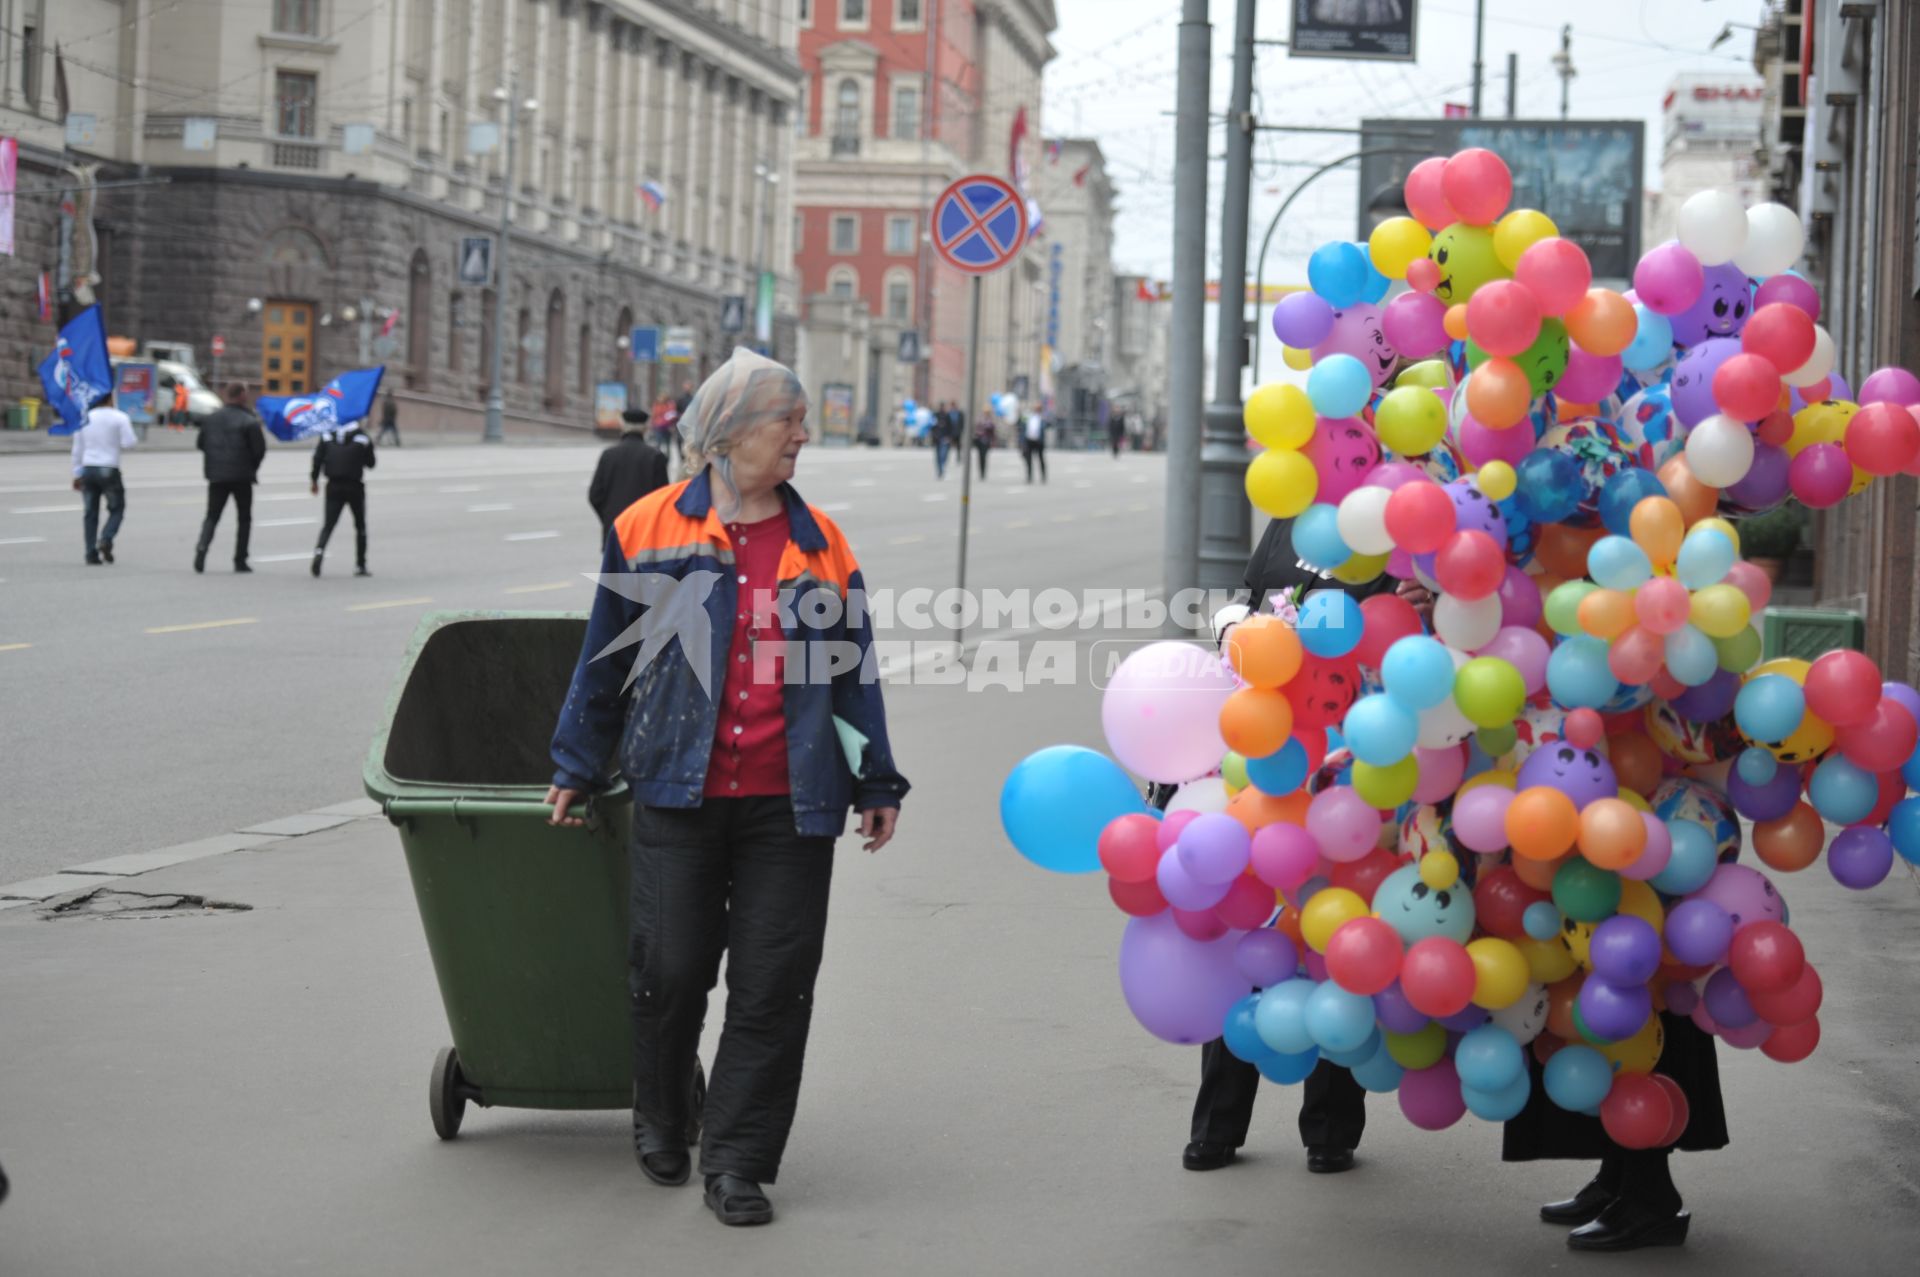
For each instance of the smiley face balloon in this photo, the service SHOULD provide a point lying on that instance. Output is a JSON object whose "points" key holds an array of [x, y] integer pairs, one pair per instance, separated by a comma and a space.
{"points": [[1581, 774], [1357, 331], [1721, 310], [1466, 259], [1417, 911]]}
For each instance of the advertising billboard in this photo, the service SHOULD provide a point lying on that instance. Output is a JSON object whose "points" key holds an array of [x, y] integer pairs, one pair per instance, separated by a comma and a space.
{"points": [[1379, 30]]}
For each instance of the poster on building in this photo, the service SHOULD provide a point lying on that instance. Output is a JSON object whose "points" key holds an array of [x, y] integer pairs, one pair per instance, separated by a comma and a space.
{"points": [[836, 411], [609, 402], [9, 175], [763, 309], [1378, 30], [1584, 174], [678, 346], [133, 392]]}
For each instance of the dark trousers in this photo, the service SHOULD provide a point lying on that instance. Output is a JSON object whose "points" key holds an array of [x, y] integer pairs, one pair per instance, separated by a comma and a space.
{"points": [[940, 447], [1641, 1175], [346, 496], [389, 428], [1333, 1109], [217, 493], [1032, 452], [730, 875], [981, 448], [97, 482]]}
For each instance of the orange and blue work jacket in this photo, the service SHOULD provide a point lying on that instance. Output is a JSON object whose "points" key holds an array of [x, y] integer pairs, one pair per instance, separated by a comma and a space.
{"points": [[662, 624]]}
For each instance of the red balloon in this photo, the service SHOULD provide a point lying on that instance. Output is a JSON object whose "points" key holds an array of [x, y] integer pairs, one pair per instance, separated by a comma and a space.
{"points": [[1202, 925], [1136, 899], [1584, 728], [1437, 976], [1792, 1043], [1893, 788], [1636, 1112], [1385, 619], [1504, 317], [1314, 741], [1247, 904], [1794, 1005], [1423, 274], [1129, 847], [1363, 956], [1780, 333], [1843, 687], [1477, 184], [1821, 475], [1420, 517], [1775, 428], [1426, 198], [1323, 691], [1364, 876], [1884, 741], [1682, 1111], [1766, 957], [1499, 901], [1882, 439], [1470, 565], [1556, 271], [1746, 387]]}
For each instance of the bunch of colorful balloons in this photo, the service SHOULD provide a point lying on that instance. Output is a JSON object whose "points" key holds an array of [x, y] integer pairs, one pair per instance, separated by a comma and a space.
{"points": [[1524, 835]]}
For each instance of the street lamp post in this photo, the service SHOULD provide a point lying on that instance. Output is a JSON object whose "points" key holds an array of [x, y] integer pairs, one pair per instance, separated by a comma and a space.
{"points": [[496, 396]]}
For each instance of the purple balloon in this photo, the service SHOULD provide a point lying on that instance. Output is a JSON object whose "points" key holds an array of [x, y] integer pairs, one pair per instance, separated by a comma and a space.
{"points": [[1891, 385], [1836, 389], [1765, 802], [1790, 288], [1721, 310], [1213, 849], [1747, 1037], [1692, 388], [1764, 486], [1682, 998], [1860, 856], [1614, 1012], [1520, 603], [1727, 1002], [1746, 894], [1302, 319], [1625, 950], [1698, 932], [1182, 889], [1466, 1020], [1431, 1097], [1581, 774], [1709, 702], [1904, 696], [1395, 1013], [1179, 989], [1266, 957]]}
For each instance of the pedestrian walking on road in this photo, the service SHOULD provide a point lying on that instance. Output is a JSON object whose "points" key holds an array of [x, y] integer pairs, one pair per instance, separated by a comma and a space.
{"points": [[1117, 433], [627, 471], [947, 425], [740, 795], [344, 455], [232, 446], [389, 419], [97, 446], [983, 437], [665, 419], [1033, 444], [179, 418]]}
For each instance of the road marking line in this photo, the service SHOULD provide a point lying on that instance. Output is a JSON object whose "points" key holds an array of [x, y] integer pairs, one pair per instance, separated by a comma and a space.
{"points": [[933, 496], [488, 509], [284, 496], [375, 607], [204, 625], [540, 589], [281, 558], [1083, 483], [1064, 518], [461, 487], [14, 647], [47, 509], [834, 507], [21, 540], [1139, 507], [1138, 478], [286, 523], [530, 536], [914, 539], [1019, 523]]}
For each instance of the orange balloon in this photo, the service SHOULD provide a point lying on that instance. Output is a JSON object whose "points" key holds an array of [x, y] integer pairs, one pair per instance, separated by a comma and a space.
{"points": [[1455, 321], [1607, 613], [1498, 394], [1257, 810], [1636, 762], [1657, 527], [1792, 842], [1264, 651], [1542, 823], [1288, 925], [1562, 550], [1696, 500], [1560, 999], [1537, 874], [1612, 835], [1256, 721], [1602, 322]]}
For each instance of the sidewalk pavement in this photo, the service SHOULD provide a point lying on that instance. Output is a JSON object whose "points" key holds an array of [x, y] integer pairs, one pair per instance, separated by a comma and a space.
{"points": [[216, 1090]]}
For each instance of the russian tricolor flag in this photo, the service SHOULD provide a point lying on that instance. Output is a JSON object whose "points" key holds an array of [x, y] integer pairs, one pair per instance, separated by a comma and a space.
{"points": [[652, 194]]}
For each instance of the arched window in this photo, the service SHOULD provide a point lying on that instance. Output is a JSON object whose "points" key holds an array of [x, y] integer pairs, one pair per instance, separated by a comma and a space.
{"points": [[525, 332], [556, 342], [419, 319], [843, 282], [899, 296], [846, 117]]}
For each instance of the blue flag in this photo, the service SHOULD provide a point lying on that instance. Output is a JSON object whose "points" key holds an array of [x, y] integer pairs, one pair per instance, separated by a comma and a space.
{"points": [[78, 371], [341, 402]]}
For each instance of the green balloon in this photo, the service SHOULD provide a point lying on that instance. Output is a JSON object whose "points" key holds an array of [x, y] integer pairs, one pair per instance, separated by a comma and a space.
{"points": [[1489, 691], [1430, 373], [1387, 787], [1585, 892], [1563, 606], [1739, 653], [1497, 741], [1233, 770], [1544, 362], [1421, 1050], [1466, 258]]}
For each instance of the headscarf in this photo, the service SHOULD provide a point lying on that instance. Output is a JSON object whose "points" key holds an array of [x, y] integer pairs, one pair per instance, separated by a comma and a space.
{"points": [[744, 393]]}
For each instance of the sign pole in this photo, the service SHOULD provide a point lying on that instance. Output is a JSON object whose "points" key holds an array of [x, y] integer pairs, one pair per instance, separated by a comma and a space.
{"points": [[969, 406]]}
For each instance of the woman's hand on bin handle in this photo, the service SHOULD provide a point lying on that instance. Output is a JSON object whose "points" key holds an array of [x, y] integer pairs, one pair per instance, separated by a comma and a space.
{"points": [[563, 801], [877, 825]]}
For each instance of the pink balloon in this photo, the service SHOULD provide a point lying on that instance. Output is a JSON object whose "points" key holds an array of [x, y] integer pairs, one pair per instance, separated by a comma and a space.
{"points": [[1342, 823], [1519, 600], [1426, 199], [1637, 655], [1557, 272], [1394, 474], [1662, 604], [1891, 385], [1524, 649], [1750, 581], [1791, 289], [1479, 444], [1480, 818], [1202, 925], [1668, 278], [1820, 475], [1589, 378], [1503, 316], [1658, 851], [1342, 452], [1441, 771], [1284, 856], [1161, 711], [1477, 184], [1431, 1097], [1358, 331], [1748, 1037], [1415, 324]]}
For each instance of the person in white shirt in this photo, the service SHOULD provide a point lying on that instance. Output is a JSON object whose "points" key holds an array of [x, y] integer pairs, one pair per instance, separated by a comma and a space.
{"points": [[96, 474], [1033, 444]]}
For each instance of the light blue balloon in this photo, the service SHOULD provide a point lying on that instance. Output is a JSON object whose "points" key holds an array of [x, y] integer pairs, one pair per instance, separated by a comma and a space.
{"points": [[1358, 1056], [1418, 672], [1768, 708], [1499, 1106], [1841, 791], [1903, 826], [1623, 490], [1489, 1058], [1380, 730], [1056, 802], [1692, 658], [1316, 537], [1280, 1017], [1377, 284], [1756, 765], [1329, 623], [1239, 1035], [1285, 1070], [1541, 921], [1618, 564], [1577, 673], [1338, 1020], [1705, 557], [1652, 343], [1578, 1078], [1338, 271], [1280, 772], [1381, 1074], [1339, 386], [1695, 855]]}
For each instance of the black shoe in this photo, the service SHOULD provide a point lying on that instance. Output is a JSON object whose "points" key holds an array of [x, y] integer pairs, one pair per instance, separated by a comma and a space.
{"points": [[317, 556], [666, 1162], [1625, 1225], [362, 571], [106, 551], [93, 560], [737, 1202], [1202, 1156], [200, 559], [1582, 1208], [241, 567], [1326, 1160]]}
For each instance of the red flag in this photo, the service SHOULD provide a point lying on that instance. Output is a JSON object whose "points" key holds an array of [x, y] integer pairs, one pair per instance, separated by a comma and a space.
{"points": [[1142, 293], [393, 317], [1016, 165], [1080, 178]]}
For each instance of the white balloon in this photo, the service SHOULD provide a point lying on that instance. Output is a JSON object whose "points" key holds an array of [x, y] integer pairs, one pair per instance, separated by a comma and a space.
{"points": [[1443, 726], [1208, 794], [1713, 226], [1465, 625], [1818, 364], [1775, 239], [1720, 451], [1526, 1018], [1362, 520]]}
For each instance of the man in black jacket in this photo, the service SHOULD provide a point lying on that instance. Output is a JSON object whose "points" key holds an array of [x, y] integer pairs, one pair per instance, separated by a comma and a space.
{"points": [[233, 446], [345, 455], [627, 471]]}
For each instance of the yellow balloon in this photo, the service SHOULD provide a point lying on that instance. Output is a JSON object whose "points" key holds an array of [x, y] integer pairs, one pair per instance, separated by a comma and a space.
{"points": [[1814, 736], [1496, 479], [1639, 1053], [1279, 415], [1438, 869], [1282, 483], [1791, 666], [1395, 243], [1823, 422], [1325, 911], [1638, 900], [1518, 231], [1720, 611], [1431, 373], [1500, 972], [1298, 360], [1578, 937], [1360, 569], [1411, 420], [1548, 960], [1634, 800], [1385, 788], [1504, 779]]}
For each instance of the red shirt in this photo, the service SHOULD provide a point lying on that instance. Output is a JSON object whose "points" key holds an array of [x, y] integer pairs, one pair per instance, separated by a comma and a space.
{"points": [[750, 735]]}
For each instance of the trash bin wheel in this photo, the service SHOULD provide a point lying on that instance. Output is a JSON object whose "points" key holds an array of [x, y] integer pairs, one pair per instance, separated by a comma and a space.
{"points": [[696, 1103], [444, 1098]]}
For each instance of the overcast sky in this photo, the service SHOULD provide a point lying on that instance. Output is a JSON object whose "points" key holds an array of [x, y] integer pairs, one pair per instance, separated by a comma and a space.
{"points": [[1114, 81]]}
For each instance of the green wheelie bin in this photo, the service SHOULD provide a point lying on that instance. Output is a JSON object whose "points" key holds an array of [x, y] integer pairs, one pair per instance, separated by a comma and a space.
{"points": [[526, 923]]}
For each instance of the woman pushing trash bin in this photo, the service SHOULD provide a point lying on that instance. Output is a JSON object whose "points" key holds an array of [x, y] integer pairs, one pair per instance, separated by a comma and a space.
{"points": [[742, 775]]}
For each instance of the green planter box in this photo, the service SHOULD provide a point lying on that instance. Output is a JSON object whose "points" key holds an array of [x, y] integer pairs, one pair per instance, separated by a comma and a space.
{"points": [[1807, 632]]}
